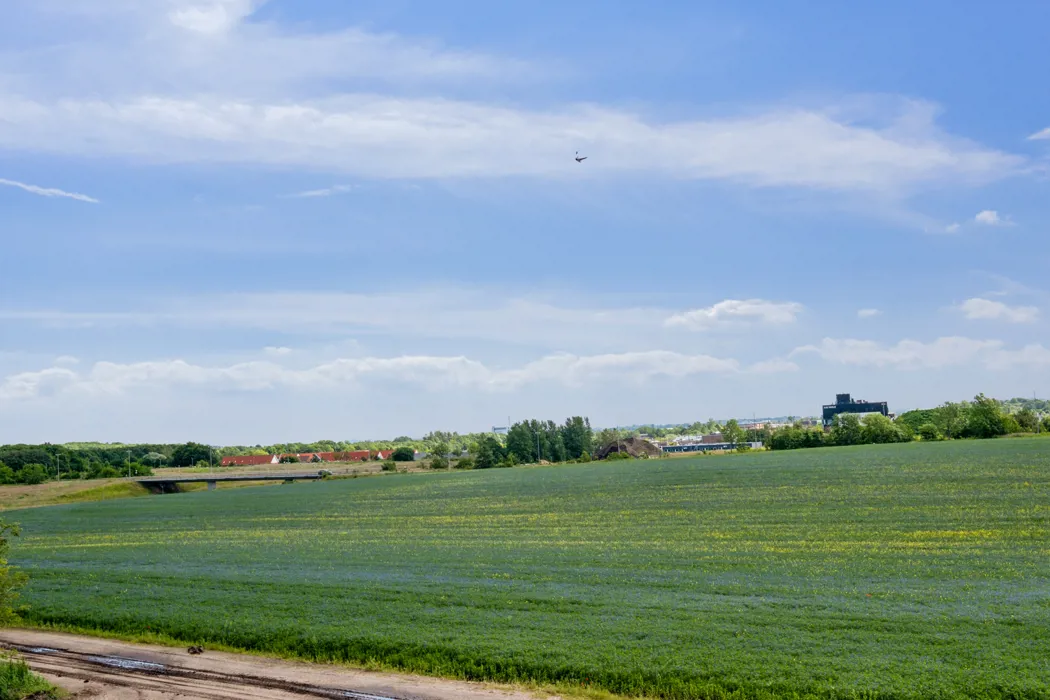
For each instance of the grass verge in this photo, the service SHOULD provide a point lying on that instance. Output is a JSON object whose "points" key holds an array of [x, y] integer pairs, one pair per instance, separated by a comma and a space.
{"points": [[17, 682]]}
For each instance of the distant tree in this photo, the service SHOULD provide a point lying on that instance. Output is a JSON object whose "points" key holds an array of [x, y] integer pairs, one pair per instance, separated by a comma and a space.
{"points": [[464, 463], [878, 429], [289, 459], [523, 442], [389, 466], [439, 462], [154, 458], [986, 418], [952, 418], [578, 437], [1027, 420], [1010, 425], [585, 457], [403, 454], [7, 474], [190, 454], [441, 449], [11, 579], [732, 432], [929, 431], [847, 430], [1046, 424], [489, 453], [32, 474]]}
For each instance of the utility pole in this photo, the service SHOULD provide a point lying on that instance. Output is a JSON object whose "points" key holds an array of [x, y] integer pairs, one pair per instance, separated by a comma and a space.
{"points": [[129, 464]]}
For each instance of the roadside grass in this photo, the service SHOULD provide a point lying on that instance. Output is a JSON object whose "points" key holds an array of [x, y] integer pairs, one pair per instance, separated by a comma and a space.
{"points": [[17, 682]]}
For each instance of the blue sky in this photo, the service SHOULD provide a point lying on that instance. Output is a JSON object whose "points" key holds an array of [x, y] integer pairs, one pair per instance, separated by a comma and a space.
{"points": [[239, 221]]}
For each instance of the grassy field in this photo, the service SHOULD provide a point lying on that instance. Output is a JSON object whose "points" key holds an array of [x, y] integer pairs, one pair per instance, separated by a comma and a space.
{"points": [[901, 571]]}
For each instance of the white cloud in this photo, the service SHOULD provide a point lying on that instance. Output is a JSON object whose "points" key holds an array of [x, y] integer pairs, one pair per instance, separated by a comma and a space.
{"points": [[386, 137], [986, 309], [952, 228], [776, 366], [1041, 135], [48, 191], [989, 217], [436, 312], [27, 385], [430, 371], [326, 192], [912, 354], [868, 313], [733, 311], [215, 17], [277, 351]]}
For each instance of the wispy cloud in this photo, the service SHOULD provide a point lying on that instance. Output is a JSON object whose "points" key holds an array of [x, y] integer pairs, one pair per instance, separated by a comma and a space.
{"points": [[1041, 135], [736, 312], [385, 137], [952, 351], [868, 313], [952, 228], [987, 309], [48, 191], [432, 372], [326, 192]]}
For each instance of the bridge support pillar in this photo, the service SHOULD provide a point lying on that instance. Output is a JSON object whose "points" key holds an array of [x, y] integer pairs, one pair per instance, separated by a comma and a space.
{"points": [[211, 485]]}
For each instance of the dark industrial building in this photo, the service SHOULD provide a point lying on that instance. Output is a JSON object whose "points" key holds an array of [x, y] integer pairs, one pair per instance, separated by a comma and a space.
{"points": [[846, 404]]}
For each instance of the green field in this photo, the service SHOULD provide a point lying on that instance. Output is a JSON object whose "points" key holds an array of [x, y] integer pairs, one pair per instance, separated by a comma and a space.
{"points": [[900, 571]]}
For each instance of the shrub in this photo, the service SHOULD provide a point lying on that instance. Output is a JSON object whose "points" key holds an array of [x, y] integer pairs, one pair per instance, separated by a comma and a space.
{"points": [[929, 431], [32, 474], [465, 463], [1011, 425], [440, 462], [103, 471], [617, 456], [289, 459], [403, 454], [585, 457], [7, 474], [389, 466]]}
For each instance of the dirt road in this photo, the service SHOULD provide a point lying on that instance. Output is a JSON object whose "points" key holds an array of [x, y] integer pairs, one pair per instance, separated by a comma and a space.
{"points": [[101, 669]]}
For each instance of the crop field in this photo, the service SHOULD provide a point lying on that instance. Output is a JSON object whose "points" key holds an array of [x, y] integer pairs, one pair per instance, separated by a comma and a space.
{"points": [[898, 571]]}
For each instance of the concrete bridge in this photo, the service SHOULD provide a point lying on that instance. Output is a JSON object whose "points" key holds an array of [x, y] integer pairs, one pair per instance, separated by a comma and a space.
{"points": [[170, 484]]}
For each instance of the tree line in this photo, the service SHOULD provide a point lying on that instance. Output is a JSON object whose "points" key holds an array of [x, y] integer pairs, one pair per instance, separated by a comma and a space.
{"points": [[981, 418]]}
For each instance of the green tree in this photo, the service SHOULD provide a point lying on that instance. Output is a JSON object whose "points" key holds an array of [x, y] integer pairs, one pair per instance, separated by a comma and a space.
{"points": [[732, 433], [523, 442], [192, 453], [879, 429], [442, 450], [403, 454], [490, 453], [986, 418], [1046, 424], [951, 418], [32, 474], [577, 436], [847, 430], [1028, 420], [7, 474], [11, 579], [929, 431]]}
